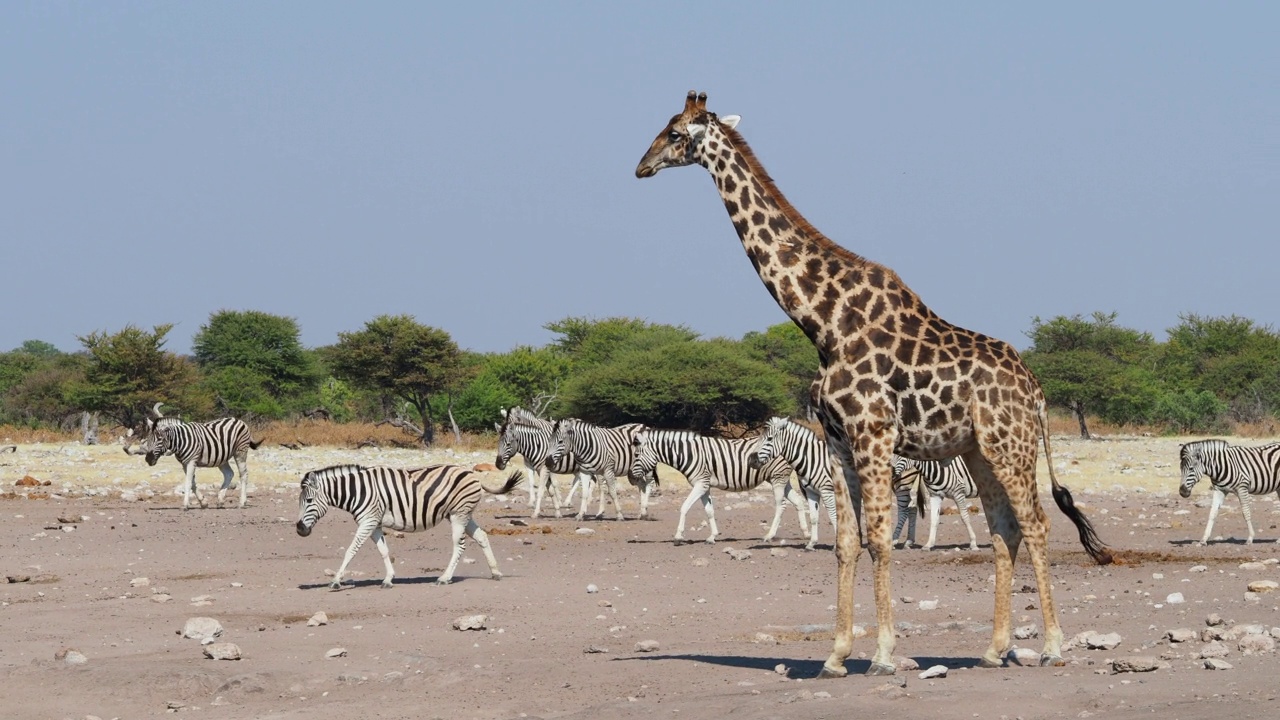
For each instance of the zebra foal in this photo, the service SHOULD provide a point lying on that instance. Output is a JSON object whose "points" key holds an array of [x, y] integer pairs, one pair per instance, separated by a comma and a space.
{"points": [[405, 500], [936, 479], [807, 454], [1245, 471], [207, 444]]}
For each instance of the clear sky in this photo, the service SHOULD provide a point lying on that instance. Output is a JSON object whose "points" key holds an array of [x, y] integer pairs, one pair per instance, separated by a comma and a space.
{"points": [[472, 163]]}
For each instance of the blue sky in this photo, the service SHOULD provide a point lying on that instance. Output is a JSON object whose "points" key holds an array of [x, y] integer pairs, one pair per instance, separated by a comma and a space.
{"points": [[472, 163]]}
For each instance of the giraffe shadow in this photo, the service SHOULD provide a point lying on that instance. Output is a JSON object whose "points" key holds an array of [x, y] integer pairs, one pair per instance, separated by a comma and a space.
{"points": [[798, 668], [397, 582], [1228, 541]]}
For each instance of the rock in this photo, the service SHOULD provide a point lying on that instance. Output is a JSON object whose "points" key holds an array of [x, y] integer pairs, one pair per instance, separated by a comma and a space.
{"points": [[1214, 620], [222, 651], [1216, 664], [701, 562], [584, 531], [470, 622], [336, 653], [1238, 631], [1098, 641], [18, 578], [1198, 568], [1023, 656], [139, 582], [595, 649], [27, 481], [161, 598], [937, 671], [780, 669], [1263, 586], [737, 554], [1181, 635], [1136, 663], [592, 589], [778, 552], [1252, 566], [70, 656], [1254, 644], [647, 646], [1212, 634], [1174, 599], [199, 628], [1026, 632], [904, 664], [519, 523], [317, 620], [927, 604], [1214, 650]]}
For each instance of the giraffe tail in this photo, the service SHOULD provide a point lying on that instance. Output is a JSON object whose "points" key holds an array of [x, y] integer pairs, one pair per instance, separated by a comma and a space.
{"points": [[1062, 497]]}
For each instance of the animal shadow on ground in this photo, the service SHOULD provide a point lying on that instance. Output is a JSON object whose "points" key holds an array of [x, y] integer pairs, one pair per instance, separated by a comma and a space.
{"points": [[372, 582], [1189, 542], [797, 668]]}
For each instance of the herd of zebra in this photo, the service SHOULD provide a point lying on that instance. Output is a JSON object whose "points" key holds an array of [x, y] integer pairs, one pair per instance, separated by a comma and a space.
{"points": [[411, 500]]}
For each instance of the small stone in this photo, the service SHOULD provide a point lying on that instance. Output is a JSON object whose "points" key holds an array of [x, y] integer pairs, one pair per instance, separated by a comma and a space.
{"points": [[584, 531], [199, 628], [1214, 650], [222, 651], [1023, 656], [937, 671], [778, 552], [1026, 632], [907, 599], [1263, 586], [1174, 598], [1099, 641], [1254, 644], [594, 649], [1198, 568], [737, 554], [592, 589], [780, 669], [1181, 635], [27, 481], [318, 619], [1252, 566], [336, 653], [174, 705], [765, 638], [647, 646], [470, 622], [139, 582], [1214, 620], [1136, 663], [519, 523], [904, 664], [927, 604], [202, 599], [70, 656], [1216, 664], [701, 562], [161, 598]]}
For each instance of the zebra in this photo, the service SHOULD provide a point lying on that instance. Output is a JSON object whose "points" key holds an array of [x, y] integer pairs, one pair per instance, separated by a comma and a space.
{"points": [[604, 453], [936, 479], [807, 454], [1246, 471], [707, 462], [406, 500], [208, 444], [532, 438]]}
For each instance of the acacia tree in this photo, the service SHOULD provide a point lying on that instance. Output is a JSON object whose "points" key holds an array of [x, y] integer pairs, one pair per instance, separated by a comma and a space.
{"points": [[254, 361], [786, 348], [395, 354], [129, 371]]}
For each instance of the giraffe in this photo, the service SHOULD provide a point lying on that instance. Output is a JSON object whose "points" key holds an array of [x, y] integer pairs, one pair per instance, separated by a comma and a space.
{"points": [[894, 376]]}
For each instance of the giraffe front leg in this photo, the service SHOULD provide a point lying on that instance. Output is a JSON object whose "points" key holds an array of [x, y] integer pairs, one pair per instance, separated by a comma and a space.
{"points": [[458, 528], [848, 548], [876, 501], [1215, 505], [363, 531], [380, 541], [482, 539]]}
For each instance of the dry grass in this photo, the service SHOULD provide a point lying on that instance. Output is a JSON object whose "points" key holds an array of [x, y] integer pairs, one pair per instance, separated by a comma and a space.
{"points": [[303, 433]]}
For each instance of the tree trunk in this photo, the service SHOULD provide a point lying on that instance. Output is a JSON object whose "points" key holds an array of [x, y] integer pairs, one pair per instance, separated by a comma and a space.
{"points": [[457, 434], [89, 428], [1078, 408], [428, 424]]}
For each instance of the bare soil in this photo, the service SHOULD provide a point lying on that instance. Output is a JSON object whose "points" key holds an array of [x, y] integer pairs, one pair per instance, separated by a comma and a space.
{"points": [[77, 547]]}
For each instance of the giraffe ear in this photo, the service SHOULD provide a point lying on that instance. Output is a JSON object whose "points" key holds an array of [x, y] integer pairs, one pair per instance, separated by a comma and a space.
{"points": [[730, 121]]}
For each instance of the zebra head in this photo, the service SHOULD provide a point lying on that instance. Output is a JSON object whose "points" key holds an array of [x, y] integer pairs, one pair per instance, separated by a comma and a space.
{"points": [[313, 502], [564, 435], [1191, 456], [157, 442], [903, 469], [766, 447], [645, 462], [506, 444]]}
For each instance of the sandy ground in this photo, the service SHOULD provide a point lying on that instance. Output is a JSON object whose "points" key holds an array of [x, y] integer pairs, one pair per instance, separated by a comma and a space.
{"points": [[552, 648]]}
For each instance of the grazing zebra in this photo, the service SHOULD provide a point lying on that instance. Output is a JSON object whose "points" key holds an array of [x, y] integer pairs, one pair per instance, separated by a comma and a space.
{"points": [[807, 454], [406, 500], [937, 479], [711, 462], [210, 444], [1246, 471], [532, 438], [604, 453]]}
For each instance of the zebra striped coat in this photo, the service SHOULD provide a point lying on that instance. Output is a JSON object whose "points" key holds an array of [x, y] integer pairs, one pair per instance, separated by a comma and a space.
{"points": [[710, 462], [533, 439], [1245, 471], [937, 479], [210, 444], [605, 453], [406, 500], [807, 454]]}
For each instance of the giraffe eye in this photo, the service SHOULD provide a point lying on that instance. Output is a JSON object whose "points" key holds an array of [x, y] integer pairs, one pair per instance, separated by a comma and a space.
{"points": [[674, 135]]}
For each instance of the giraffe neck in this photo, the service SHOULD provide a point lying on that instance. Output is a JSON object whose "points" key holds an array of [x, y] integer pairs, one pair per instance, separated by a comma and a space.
{"points": [[807, 273]]}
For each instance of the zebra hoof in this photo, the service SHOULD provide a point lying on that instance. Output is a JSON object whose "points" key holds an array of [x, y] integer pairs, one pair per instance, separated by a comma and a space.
{"points": [[444, 581], [829, 672], [386, 585], [710, 541], [496, 575], [1052, 661], [335, 585], [881, 669], [808, 548]]}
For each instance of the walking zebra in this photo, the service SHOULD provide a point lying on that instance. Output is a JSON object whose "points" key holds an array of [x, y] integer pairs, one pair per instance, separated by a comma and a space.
{"points": [[1246, 471], [604, 453], [937, 479], [532, 438], [801, 448], [406, 500], [210, 444], [711, 462]]}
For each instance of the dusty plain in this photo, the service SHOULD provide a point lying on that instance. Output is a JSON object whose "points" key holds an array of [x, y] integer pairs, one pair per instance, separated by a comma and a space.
{"points": [[89, 558]]}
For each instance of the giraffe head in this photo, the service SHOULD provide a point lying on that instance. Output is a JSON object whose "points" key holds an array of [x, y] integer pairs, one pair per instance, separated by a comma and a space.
{"points": [[683, 140]]}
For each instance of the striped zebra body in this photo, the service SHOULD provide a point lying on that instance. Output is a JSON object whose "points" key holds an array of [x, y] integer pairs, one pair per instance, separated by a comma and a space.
{"points": [[533, 439], [807, 454], [604, 453], [937, 479], [1245, 471], [709, 462], [210, 444], [405, 500]]}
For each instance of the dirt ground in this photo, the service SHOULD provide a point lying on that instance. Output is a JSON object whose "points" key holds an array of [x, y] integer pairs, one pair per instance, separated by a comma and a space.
{"points": [[77, 552]]}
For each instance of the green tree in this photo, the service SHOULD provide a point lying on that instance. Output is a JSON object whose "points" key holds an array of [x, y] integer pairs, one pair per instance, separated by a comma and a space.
{"points": [[785, 348], [1085, 364], [1231, 357], [129, 371], [394, 354], [588, 342], [255, 362]]}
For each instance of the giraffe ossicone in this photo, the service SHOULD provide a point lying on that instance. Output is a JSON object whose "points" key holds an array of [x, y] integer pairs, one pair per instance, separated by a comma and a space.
{"points": [[894, 377]]}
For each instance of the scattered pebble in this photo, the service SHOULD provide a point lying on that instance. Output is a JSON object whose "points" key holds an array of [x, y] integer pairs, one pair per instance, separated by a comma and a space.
{"points": [[336, 653], [318, 619], [737, 554], [1136, 663], [222, 651], [70, 656], [1263, 586], [470, 622], [647, 646], [936, 671], [199, 628], [592, 589], [1181, 635], [584, 531], [1026, 632], [927, 604], [1216, 664], [1174, 598]]}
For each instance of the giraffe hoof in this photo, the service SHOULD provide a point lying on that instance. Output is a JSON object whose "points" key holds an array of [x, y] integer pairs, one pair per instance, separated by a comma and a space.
{"points": [[829, 672], [881, 669], [1052, 661], [987, 662]]}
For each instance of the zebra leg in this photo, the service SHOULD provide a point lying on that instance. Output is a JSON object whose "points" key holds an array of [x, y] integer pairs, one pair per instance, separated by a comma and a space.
{"points": [[811, 497], [536, 490], [586, 496], [645, 489], [611, 484], [828, 496], [363, 531], [190, 469], [226, 482], [242, 464], [696, 491], [935, 510], [904, 508], [1215, 505], [458, 527], [779, 493], [550, 482], [962, 502], [710, 509], [1242, 492], [482, 539], [380, 541]]}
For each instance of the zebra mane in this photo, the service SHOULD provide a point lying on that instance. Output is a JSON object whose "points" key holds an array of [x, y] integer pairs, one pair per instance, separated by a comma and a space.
{"points": [[333, 471], [520, 416]]}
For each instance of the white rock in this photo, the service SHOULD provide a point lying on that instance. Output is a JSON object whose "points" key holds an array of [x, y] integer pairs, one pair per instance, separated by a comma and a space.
{"points": [[1198, 568], [1026, 632], [929, 605], [737, 554], [778, 552], [139, 582], [592, 589], [199, 628], [1254, 644], [1181, 635], [318, 619], [647, 646], [1216, 664], [470, 622], [1252, 566], [1174, 598], [937, 671], [905, 664], [1098, 641], [1023, 656], [584, 531], [336, 653], [1214, 650], [1263, 586], [1136, 663], [71, 657], [222, 651], [780, 669]]}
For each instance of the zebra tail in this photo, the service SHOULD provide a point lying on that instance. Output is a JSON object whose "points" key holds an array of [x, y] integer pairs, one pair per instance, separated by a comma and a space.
{"points": [[921, 500], [1062, 497], [514, 478], [254, 445]]}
